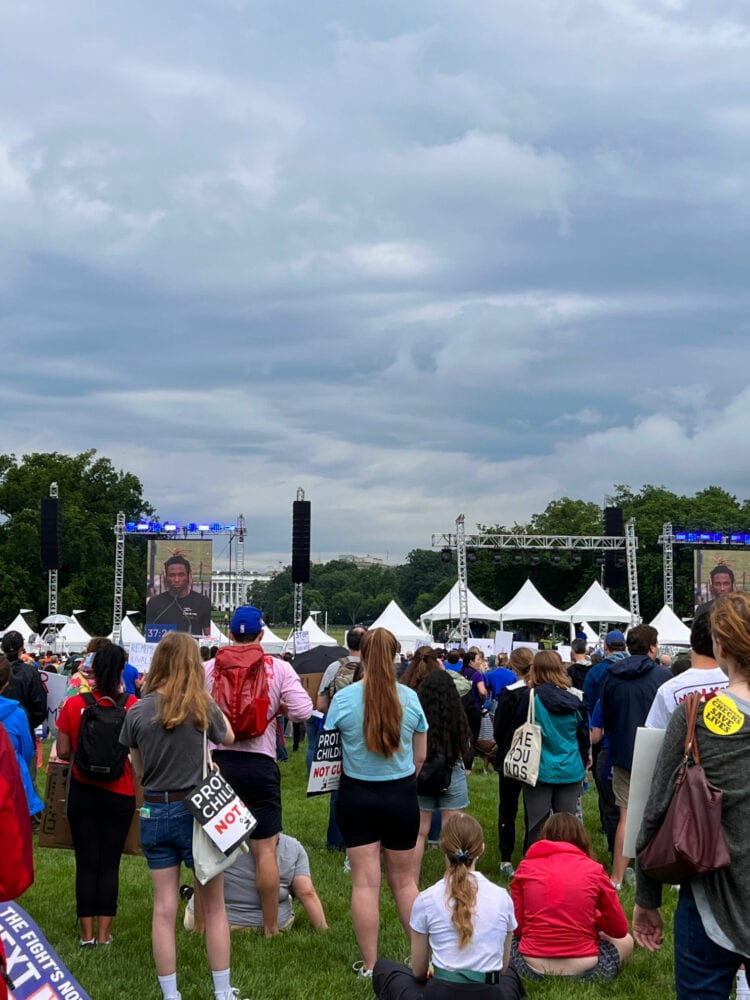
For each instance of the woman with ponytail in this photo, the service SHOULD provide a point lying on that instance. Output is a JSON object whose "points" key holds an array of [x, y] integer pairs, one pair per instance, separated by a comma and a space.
{"points": [[466, 922], [383, 734]]}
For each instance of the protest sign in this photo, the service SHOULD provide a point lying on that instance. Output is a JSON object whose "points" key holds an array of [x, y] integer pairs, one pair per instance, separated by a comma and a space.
{"points": [[55, 685], [645, 751], [220, 811], [301, 642], [503, 642], [140, 655], [35, 969], [326, 767]]}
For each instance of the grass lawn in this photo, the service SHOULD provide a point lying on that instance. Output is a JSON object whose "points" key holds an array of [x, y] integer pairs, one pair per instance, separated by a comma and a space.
{"points": [[303, 963]]}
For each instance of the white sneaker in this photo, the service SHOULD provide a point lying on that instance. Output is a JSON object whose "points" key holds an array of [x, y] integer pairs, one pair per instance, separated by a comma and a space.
{"points": [[347, 869], [362, 972], [507, 869], [231, 994]]}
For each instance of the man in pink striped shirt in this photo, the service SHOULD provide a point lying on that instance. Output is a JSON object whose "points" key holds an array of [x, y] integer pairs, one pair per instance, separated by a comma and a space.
{"points": [[250, 765]]}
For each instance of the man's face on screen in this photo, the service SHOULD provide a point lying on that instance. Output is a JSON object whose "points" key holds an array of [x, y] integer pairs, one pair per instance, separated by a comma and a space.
{"points": [[721, 583], [178, 580]]}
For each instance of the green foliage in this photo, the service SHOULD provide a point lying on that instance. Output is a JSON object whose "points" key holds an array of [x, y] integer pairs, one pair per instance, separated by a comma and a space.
{"points": [[92, 492]]}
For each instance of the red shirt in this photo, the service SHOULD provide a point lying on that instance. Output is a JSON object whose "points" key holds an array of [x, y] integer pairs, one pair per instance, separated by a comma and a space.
{"points": [[69, 722], [562, 900]]}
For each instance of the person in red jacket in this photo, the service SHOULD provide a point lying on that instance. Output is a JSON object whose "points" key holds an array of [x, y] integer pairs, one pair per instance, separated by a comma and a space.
{"points": [[570, 920]]}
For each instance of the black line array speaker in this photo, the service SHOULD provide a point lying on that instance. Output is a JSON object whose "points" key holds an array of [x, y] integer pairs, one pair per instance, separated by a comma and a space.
{"points": [[615, 574], [301, 541], [50, 533]]}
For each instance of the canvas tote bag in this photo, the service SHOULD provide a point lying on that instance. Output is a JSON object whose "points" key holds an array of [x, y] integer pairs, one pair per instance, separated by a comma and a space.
{"points": [[522, 760]]}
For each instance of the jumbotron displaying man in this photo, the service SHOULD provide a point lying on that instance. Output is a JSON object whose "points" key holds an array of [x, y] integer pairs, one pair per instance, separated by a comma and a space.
{"points": [[180, 605]]}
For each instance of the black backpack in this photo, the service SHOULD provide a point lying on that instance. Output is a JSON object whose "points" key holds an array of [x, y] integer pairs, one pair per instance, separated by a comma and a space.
{"points": [[99, 754]]}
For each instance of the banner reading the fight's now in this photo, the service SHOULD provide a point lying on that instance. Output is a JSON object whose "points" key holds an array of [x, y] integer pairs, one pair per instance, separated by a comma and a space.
{"points": [[34, 968], [325, 770]]}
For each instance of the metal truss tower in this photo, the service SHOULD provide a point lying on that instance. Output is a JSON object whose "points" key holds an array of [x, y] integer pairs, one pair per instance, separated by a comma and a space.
{"points": [[463, 585], [631, 544], [667, 543], [52, 580], [119, 577]]}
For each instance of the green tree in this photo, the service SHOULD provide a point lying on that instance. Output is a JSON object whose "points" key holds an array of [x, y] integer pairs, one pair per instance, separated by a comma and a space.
{"points": [[92, 492]]}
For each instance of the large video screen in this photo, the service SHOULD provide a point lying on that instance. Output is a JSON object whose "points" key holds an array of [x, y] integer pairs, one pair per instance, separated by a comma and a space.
{"points": [[178, 595], [720, 571]]}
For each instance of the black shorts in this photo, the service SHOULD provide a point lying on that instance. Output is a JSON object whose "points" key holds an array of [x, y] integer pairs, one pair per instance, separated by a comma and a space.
{"points": [[384, 811], [256, 779]]}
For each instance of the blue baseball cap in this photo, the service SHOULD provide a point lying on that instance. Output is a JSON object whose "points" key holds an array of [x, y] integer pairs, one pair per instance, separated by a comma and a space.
{"points": [[246, 620], [614, 636]]}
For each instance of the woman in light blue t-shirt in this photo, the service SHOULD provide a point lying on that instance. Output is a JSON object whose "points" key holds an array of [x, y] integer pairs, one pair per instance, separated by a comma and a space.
{"points": [[383, 734]]}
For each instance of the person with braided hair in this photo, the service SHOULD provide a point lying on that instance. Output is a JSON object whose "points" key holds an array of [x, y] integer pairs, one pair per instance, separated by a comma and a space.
{"points": [[465, 922]]}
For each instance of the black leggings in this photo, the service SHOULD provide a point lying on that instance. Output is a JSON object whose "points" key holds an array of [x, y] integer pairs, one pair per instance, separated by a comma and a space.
{"points": [[392, 981], [99, 821], [510, 793]]}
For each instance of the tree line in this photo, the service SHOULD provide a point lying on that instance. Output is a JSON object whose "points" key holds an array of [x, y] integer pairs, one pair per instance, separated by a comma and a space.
{"points": [[92, 492]]}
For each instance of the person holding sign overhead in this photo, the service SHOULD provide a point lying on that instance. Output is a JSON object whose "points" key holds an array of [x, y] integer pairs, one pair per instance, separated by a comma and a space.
{"points": [[383, 733], [165, 731]]}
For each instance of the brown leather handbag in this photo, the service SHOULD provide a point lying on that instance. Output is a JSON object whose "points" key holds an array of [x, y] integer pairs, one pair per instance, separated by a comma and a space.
{"points": [[690, 840]]}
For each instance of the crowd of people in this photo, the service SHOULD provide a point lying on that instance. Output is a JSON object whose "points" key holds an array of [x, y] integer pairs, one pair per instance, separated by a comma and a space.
{"points": [[412, 729]]}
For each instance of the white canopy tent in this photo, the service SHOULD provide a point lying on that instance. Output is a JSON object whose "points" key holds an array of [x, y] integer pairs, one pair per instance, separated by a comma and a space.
{"points": [[19, 624], [74, 636], [273, 643], [596, 605], [448, 608], [128, 632], [529, 605], [407, 633], [217, 637], [672, 632], [317, 636]]}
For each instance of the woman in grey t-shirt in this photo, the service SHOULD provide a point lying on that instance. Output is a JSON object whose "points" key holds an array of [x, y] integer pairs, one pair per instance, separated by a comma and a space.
{"points": [[165, 732]]}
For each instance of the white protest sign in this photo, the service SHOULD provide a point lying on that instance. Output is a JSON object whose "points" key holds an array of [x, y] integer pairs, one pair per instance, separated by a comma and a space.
{"points": [[647, 746], [140, 655], [564, 652], [301, 642], [55, 685], [221, 812], [326, 767], [533, 646], [503, 642], [486, 645]]}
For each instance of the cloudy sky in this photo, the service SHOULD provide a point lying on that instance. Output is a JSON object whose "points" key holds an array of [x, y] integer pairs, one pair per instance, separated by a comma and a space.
{"points": [[419, 258]]}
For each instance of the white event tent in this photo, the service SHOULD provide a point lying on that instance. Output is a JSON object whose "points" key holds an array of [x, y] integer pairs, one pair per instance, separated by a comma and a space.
{"points": [[128, 632], [74, 636], [316, 634], [19, 624], [596, 605], [448, 608], [529, 605], [271, 642], [672, 632], [407, 633]]}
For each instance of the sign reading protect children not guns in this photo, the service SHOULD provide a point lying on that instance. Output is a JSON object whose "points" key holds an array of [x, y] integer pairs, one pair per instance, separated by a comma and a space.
{"points": [[325, 771]]}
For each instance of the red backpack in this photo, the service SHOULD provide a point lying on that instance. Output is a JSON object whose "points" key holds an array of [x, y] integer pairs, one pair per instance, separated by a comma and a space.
{"points": [[16, 856], [241, 689]]}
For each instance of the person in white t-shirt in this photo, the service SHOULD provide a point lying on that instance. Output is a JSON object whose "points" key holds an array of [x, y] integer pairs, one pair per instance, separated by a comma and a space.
{"points": [[466, 922], [704, 673]]}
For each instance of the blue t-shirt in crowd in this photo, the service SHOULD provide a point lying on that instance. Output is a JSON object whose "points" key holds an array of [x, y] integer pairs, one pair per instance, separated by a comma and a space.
{"points": [[497, 679], [347, 715]]}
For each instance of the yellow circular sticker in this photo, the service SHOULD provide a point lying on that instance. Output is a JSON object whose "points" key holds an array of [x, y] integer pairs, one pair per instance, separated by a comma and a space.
{"points": [[722, 716]]}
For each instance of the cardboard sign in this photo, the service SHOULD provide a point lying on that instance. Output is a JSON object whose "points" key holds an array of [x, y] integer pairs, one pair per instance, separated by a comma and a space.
{"points": [[220, 811], [55, 685], [648, 743], [503, 642], [327, 764], [36, 970], [55, 829]]}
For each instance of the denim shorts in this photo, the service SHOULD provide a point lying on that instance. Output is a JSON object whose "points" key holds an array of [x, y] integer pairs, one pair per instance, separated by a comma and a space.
{"points": [[167, 834], [456, 796]]}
